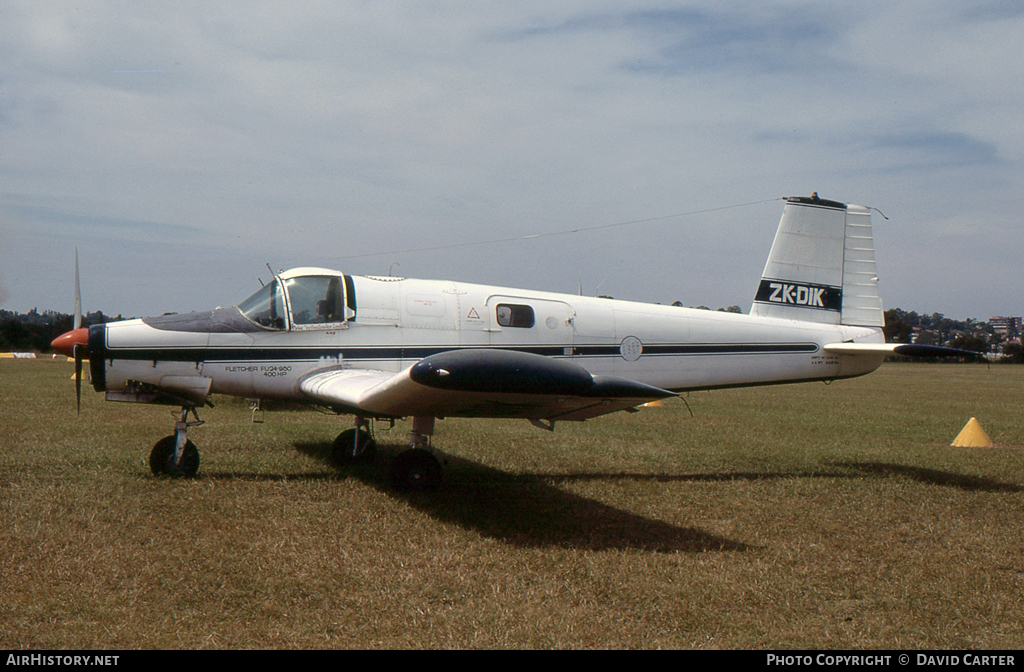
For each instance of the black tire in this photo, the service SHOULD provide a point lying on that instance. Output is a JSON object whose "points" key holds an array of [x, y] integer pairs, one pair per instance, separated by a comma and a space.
{"points": [[161, 459], [416, 470], [353, 446]]}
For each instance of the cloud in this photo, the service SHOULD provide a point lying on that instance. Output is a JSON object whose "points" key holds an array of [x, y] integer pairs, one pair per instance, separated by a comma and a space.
{"points": [[994, 10], [310, 133], [708, 40], [55, 221], [937, 149]]}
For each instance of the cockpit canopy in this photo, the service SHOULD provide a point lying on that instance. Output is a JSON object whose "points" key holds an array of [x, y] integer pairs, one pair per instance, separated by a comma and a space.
{"points": [[302, 298]]}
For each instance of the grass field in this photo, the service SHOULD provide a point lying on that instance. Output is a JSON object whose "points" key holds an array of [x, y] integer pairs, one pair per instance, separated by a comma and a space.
{"points": [[793, 516]]}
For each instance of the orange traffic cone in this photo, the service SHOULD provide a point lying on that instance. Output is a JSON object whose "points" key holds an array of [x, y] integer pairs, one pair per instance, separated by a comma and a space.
{"points": [[972, 436]]}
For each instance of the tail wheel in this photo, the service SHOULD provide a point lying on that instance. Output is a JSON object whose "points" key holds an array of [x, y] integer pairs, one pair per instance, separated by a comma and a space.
{"points": [[161, 459]]}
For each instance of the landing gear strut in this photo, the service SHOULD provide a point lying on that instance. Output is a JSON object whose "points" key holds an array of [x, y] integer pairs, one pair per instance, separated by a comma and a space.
{"points": [[175, 455], [354, 445], [413, 469], [417, 468]]}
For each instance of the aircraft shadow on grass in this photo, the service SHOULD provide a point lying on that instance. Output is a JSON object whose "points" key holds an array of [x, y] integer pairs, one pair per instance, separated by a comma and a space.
{"points": [[849, 470], [935, 477], [531, 511], [846, 470], [528, 510]]}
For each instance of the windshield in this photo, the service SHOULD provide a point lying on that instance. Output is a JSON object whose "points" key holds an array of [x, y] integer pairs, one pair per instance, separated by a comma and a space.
{"points": [[265, 307], [316, 299]]}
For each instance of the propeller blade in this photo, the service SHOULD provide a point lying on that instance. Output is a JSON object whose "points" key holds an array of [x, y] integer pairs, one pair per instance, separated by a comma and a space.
{"points": [[78, 295], [78, 377], [75, 343]]}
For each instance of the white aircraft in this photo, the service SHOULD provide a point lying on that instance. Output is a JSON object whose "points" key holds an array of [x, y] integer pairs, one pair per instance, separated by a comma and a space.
{"points": [[381, 348]]}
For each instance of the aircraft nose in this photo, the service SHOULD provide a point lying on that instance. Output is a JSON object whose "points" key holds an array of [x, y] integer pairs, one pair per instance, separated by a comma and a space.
{"points": [[65, 343]]}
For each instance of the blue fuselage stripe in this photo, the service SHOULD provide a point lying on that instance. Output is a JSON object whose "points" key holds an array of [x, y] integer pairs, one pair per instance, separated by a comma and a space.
{"points": [[205, 354]]}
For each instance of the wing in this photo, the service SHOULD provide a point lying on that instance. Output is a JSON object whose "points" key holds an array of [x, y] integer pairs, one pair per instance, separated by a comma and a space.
{"points": [[480, 383]]}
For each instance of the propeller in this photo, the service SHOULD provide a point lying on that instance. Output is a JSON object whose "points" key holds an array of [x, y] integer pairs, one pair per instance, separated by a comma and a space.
{"points": [[78, 379], [78, 295], [77, 349], [75, 343]]}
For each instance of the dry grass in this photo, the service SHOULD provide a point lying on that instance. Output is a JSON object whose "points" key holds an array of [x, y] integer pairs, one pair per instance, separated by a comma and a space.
{"points": [[796, 516]]}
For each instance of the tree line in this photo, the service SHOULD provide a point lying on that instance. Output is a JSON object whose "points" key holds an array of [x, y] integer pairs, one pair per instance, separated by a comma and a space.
{"points": [[936, 329], [33, 331]]}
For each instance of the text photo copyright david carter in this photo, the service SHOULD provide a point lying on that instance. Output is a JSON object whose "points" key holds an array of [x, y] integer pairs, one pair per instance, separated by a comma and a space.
{"points": [[906, 659]]}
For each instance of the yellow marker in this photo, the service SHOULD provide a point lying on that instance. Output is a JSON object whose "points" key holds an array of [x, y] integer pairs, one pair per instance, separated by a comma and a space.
{"points": [[972, 436]]}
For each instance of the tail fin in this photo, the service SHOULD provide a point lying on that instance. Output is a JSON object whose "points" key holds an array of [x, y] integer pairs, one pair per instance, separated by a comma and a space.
{"points": [[822, 266]]}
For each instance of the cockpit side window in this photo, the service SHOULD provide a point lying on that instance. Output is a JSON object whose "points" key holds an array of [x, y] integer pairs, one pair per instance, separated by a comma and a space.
{"points": [[265, 307], [316, 299]]}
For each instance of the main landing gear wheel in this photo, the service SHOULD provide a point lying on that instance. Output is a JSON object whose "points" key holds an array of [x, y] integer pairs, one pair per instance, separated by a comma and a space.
{"points": [[416, 469], [353, 446], [161, 459]]}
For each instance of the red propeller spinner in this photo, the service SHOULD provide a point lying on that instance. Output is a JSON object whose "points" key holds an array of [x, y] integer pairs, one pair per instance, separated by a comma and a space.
{"points": [[65, 343]]}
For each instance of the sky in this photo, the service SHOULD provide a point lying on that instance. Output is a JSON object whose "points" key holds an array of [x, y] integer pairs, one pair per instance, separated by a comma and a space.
{"points": [[182, 147]]}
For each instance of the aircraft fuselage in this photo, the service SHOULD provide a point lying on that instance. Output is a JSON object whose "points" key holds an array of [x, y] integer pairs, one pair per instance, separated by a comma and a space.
{"points": [[395, 323]]}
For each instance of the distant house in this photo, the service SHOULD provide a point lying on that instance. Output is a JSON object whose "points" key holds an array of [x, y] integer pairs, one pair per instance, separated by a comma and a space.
{"points": [[1007, 327]]}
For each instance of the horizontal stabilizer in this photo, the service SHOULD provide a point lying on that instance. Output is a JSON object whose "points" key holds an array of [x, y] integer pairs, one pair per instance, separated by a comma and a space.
{"points": [[904, 349]]}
